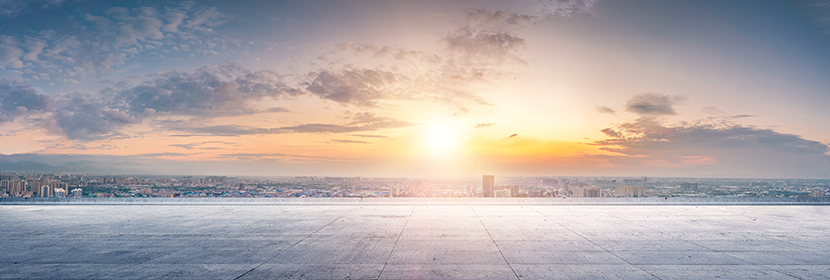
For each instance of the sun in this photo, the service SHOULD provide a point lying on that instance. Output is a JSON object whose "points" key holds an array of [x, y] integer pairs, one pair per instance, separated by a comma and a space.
{"points": [[440, 139]]}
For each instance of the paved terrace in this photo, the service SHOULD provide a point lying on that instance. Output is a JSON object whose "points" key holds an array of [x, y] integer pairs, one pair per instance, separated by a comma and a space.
{"points": [[403, 238]]}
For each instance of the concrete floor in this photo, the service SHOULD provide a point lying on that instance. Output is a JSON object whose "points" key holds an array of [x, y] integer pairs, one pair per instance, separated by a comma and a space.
{"points": [[435, 241]]}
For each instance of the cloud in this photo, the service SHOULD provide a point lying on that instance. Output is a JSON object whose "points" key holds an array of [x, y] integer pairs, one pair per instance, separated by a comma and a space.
{"points": [[12, 8], [360, 87], [729, 148], [485, 16], [611, 132], [653, 104], [361, 122], [18, 99], [369, 136], [482, 44], [211, 90], [86, 117], [712, 110], [483, 125], [606, 110], [351, 142], [10, 56], [565, 7], [277, 110], [106, 39], [194, 145], [818, 10], [513, 135]]}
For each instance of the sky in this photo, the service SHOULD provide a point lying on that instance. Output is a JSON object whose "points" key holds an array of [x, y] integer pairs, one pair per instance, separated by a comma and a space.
{"points": [[417, 88]]}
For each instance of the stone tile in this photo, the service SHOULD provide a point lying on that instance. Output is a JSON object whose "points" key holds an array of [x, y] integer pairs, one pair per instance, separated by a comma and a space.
{"points": [[446, 271], [294, 256], [677, 257], [315, 271], [561, 257], [580, 271], [488, 257], [179, 271], [668, 272]]}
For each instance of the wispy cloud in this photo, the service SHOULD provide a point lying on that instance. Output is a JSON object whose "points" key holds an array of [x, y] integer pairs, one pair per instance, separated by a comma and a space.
{"points": [[653, 104], [361, 122], [606, 110], [350, 141]]}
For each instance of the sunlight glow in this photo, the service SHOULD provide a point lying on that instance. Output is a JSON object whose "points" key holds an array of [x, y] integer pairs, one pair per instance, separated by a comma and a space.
{"points": [[440, 139]]}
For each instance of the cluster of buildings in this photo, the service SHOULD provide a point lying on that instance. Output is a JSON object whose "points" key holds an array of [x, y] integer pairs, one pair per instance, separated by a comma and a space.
{"points": [[85, 185], [12, 185]]}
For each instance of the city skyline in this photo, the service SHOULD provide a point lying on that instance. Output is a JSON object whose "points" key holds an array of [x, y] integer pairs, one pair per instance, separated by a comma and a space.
{"points": [[436, 89]]}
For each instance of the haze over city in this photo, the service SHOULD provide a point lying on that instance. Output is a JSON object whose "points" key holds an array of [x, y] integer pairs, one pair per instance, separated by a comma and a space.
{"points": [[416, 88]]}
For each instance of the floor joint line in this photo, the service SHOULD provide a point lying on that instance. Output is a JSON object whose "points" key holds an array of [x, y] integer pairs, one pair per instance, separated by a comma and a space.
{"points": [[396, 243], [595, 244], [494, 242], [292, 245]]}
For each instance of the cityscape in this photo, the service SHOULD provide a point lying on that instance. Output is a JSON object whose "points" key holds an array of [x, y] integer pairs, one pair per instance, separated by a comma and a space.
{"points": [[92, 185]]}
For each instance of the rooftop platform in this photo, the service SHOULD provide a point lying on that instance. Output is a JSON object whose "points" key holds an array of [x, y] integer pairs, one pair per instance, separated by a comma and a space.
{"points": [[401, 238]]}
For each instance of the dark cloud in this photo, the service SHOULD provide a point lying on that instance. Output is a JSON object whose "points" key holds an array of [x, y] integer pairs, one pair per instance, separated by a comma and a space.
{"points": [[18, 99], [210, 90], [606, 110], [351, 142], [653, 104], [86, 117], [513, 135], [483, 125], [726, 147]]}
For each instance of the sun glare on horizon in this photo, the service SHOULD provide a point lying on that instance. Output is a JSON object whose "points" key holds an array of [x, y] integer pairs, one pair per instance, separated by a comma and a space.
{"points": [[440, 140]]}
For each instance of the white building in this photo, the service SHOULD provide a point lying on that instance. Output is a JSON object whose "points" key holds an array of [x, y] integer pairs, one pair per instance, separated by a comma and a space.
{"points": [[60, 193]]}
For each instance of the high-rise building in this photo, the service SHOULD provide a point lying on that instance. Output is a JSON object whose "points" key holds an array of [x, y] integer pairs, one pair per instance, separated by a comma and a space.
{"points": [[488, 184], [60, 193], [631, 191], [514, 190], [588, 191], [77, 193], [689, 186]]}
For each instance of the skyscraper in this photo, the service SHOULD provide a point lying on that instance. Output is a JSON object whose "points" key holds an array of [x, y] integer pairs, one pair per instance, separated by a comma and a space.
{"points": [[488, 185], [631, 191]]}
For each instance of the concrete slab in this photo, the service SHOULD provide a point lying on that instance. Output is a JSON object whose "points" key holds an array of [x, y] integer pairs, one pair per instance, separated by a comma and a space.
{"points": [[442, 239]]}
